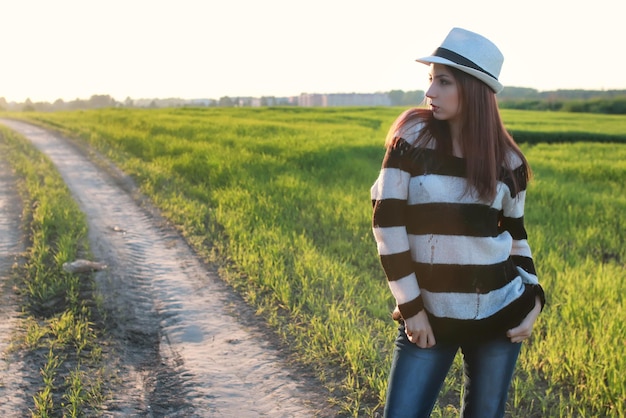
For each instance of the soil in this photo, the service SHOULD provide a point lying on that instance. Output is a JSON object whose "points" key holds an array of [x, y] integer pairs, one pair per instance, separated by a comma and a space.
{"points": [[184, 344]]}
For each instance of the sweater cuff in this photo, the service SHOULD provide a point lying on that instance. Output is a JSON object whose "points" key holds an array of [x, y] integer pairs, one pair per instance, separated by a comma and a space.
{"points": [[539, 292], [411, 308]]}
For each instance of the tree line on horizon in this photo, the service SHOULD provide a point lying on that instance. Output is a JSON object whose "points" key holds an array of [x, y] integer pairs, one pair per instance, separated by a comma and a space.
{"points": [[612, 102], [577, 100]]}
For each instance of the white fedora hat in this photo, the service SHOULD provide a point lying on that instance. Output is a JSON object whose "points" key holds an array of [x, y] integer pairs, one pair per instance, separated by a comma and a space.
{"points": [[471, 53]]}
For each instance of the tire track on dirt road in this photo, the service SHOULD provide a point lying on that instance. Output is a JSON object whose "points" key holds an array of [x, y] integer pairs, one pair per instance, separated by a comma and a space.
{"points": [[13, 379], [184, 350]]}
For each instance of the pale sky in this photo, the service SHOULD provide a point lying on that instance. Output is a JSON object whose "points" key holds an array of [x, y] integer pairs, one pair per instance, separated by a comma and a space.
{"points": [[68, 49]]}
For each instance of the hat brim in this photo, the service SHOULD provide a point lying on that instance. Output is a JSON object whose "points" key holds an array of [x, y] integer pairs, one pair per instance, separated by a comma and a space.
{"points": [[494, 84]]}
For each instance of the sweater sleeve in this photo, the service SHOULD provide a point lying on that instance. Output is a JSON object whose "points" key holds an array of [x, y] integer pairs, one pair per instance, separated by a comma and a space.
{"points": [[513, 221], [389, 198]]}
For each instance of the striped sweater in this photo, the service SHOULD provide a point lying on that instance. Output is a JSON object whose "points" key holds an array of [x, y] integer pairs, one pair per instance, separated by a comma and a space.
{"points": [[466, 261]]}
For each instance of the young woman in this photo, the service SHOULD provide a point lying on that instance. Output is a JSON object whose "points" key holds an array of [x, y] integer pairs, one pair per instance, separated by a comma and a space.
{"points": [[449, 226]]}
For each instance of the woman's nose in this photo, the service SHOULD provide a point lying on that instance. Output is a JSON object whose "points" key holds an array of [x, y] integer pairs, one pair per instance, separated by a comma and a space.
{"points": [[430, 92]]}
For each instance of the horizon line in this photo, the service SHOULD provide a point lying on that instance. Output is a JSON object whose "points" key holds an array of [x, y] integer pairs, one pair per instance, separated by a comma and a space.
{"points": [[290, 96]]}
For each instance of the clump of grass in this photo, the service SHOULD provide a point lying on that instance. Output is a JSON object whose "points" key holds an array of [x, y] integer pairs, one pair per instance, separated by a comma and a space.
{"points": [[59, 329]]}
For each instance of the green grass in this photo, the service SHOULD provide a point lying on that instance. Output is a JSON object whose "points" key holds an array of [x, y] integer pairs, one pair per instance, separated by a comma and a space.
{"points": [[578, 229], [59, 334], [280, 197], [563, 127]]}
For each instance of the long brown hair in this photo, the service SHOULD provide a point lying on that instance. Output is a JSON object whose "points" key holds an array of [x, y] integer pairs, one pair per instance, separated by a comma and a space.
{"points": [[485, 142]]}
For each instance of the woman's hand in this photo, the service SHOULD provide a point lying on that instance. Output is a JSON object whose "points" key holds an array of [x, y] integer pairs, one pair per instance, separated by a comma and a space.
{"points": [[523, 330], [418, 330]]}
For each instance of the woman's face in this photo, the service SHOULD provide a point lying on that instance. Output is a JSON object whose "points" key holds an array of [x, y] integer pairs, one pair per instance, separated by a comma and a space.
{"points": [[443, 93]]}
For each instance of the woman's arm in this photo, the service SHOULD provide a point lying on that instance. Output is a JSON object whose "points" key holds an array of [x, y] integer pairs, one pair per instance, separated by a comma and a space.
{"points": [[513, 222], [389, 196]]}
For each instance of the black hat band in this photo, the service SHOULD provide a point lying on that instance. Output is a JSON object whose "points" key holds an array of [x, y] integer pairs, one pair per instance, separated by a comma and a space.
{"points": [[460, 59]]}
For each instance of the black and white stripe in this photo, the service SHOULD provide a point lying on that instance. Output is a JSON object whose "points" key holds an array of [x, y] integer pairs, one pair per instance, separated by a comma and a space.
{"points": [[466, 261]]}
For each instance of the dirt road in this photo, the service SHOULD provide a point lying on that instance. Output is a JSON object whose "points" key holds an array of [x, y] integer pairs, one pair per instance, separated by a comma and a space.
{"points": [[189, 346]]}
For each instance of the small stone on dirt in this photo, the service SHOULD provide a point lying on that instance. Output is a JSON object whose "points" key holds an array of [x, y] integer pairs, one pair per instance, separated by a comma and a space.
{"points": [[83, 266]]}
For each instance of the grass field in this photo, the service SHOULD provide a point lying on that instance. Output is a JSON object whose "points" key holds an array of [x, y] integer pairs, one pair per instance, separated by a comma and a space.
{"points": [[280, 198]]}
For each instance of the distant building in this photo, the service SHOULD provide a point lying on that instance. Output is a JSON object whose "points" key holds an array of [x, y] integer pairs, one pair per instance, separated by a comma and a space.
{"points": [[243, 101], [358, 99], [344, 99], [263, 101], [309, 100]]}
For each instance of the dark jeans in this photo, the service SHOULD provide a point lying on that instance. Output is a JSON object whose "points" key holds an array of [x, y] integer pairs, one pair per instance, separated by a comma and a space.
{"points": [[417, 375]]}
